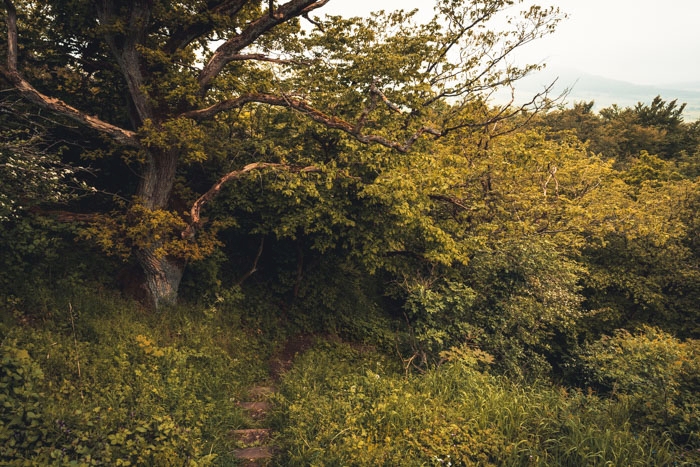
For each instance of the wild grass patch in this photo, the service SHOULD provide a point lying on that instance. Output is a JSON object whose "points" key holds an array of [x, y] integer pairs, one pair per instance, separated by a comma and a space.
{"points": [[102, 383], [340, 406]]}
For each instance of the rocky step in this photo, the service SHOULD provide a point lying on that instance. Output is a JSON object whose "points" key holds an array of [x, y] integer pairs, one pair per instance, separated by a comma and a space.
{"points": [[257, 410], [251, 436], [255, 456]]}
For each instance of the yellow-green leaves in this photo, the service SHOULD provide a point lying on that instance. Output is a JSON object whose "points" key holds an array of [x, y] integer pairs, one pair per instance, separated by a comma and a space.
{"points": [[158, 231], [183, 135]]}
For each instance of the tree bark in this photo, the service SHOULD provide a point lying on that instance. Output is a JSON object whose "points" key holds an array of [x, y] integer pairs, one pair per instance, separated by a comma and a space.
{"points": [[162, 277], [162, 273]]}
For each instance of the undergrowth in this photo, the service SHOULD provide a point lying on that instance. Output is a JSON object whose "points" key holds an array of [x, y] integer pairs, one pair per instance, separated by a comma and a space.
{"points": [[99, 381], [92, 379], [341, 406]]}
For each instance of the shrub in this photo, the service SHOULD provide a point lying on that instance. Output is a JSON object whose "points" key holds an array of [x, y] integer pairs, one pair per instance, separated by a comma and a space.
{"points": [[657, 374]]}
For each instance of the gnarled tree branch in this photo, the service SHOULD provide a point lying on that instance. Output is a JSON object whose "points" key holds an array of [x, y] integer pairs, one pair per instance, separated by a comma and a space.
{"points": [[196, 209], [26, 90], [252, 32]]}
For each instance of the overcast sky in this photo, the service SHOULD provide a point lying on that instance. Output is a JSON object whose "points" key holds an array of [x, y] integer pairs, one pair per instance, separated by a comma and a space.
{"points": [[640, 41]]}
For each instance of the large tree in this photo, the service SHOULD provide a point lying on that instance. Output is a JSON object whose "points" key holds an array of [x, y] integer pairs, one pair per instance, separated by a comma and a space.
{"points": [[161, 78]]}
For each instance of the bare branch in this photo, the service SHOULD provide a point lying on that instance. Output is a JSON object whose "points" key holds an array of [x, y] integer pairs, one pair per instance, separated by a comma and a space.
{"points": [[27, 91], [196, 209], [250, 34], [318, 25], [313, 113], [463, 30], [552, 175], [183, 37], [365, 113], [253, 269], [449, 199], [375, 90], [506, 112]]}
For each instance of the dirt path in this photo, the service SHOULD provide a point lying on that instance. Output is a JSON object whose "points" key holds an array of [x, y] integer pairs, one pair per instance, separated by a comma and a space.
{"points": [[256, 447]]}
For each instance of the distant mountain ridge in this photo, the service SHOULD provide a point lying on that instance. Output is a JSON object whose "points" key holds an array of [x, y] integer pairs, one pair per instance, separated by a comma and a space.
{"points": [[606, 92]]}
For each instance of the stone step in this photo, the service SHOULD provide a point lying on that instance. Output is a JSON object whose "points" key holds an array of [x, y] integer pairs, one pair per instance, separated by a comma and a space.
{"points": [[258, 455], [259, 393], [257, 410], [252, 436]]}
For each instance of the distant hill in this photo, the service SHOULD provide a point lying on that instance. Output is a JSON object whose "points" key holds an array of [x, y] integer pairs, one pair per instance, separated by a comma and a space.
{"points": [[606, 92]]}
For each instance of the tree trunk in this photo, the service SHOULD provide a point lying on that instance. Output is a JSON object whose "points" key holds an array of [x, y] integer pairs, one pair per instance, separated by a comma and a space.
{"points": [[162, 274], [162, 277]]}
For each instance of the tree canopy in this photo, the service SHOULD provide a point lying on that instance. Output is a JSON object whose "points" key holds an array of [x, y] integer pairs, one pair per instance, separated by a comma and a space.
{"points": [[176, 87]]}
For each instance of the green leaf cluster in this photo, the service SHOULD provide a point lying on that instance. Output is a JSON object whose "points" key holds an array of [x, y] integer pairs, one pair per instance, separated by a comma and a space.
{"points": [[655, 373]]}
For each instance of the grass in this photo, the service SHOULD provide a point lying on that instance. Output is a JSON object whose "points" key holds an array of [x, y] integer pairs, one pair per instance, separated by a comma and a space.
{"points": [[339, 406], [95, 380]]}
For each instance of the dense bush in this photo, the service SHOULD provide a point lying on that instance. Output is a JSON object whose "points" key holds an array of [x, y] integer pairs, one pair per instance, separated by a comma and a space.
{"points": [[655, 374]]}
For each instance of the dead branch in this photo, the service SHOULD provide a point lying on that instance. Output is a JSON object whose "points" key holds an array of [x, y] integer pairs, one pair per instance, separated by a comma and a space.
{"points": [[196, 209], [375, 90], [449, 199], [254, 268]]}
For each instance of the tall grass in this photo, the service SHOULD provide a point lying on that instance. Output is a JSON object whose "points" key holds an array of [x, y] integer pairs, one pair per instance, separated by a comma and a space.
{"points": [[342, 407]]}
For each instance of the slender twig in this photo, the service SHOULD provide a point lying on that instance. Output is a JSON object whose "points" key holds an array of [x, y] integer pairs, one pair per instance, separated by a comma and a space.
{"points": [[75, 343], [254, 268]]}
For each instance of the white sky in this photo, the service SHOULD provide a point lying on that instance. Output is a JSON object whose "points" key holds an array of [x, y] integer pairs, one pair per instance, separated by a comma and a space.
{"points": [[640, 41]]}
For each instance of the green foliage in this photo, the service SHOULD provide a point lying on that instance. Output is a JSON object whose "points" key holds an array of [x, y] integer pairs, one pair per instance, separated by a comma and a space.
{"points": [[623, 133], [182, 134], [199, 90], [656, 374], [341, 406], [646, 269], [512, 220], [120, 234], [101, 384], [37, 258], [20, 402], [32, 170], [500, 245]]}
